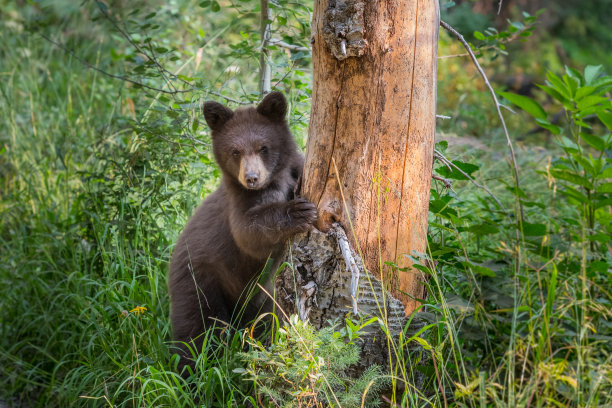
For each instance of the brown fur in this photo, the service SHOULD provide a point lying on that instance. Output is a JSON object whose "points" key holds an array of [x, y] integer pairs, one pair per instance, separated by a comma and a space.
{"points": [[227, 241]]}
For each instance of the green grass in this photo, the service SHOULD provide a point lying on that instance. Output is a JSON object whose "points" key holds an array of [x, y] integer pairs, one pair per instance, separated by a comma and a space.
{"points": [[92, 203], [81, 246]]}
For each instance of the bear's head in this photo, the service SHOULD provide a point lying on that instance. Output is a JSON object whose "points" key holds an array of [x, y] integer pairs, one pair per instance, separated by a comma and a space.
{"points": [[251, 144]]}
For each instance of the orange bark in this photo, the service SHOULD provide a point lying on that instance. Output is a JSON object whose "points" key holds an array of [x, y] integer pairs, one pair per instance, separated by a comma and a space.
{"points": [[373, 115]]}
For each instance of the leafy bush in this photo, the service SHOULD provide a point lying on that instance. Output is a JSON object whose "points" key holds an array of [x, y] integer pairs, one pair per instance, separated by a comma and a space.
{"points": [[308, 368], [527, 319]]}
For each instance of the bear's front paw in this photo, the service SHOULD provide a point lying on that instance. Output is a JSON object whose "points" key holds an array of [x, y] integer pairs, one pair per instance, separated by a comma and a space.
{"points": [[302, 214]]}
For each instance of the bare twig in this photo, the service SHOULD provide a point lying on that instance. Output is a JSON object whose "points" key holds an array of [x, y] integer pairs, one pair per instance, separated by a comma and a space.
{"points": [[163, 71], [453, 55], [108, 74], [447, 163], [443, 117], [131, 81], [447, 183], [286, 74], [514, 166], [264, 67], [227, 98], [292, 47]]}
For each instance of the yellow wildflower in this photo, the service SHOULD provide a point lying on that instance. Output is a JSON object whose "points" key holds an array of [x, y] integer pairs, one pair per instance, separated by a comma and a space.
{"points": [[138, 310]]}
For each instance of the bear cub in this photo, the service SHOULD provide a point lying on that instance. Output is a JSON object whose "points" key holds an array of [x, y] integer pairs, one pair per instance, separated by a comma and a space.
{"points": [[249, 218]]}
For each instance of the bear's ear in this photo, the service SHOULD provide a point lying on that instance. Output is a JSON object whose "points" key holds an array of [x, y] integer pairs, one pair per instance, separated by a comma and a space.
{"points": [[216, 115], [273, 107]]}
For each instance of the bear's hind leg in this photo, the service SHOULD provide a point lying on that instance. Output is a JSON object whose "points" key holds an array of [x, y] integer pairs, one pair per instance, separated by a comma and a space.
{"points": [[193, 312]]}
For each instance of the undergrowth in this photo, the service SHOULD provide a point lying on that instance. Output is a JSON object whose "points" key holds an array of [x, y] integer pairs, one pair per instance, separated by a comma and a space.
{"points": [[99, 175]]}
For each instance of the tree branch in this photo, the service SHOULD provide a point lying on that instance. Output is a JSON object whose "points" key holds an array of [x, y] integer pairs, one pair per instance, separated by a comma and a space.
{"points": [[264, 68], [448, 163], [447, 183], [292, 47], [108, 74], [514, 166]]}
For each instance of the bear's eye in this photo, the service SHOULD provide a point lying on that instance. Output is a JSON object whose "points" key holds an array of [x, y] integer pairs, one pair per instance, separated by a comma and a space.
{"points": [[235, 153], [263, 149]]}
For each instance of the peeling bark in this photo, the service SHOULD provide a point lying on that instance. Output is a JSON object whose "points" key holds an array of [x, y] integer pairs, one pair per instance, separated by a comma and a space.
{"points": [[343, 28], [368, 166], [326, 280], [373, 114]]}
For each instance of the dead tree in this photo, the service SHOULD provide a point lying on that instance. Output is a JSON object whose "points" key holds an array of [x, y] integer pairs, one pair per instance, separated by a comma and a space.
{"points": [[368, 163]]}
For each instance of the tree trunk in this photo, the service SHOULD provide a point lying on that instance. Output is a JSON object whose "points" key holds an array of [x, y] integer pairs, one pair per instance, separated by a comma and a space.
{"points": [[368, 159]]}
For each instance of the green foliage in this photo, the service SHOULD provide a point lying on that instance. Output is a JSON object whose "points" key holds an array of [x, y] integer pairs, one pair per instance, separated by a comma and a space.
{"points": [[496, 40], [308, 368], [99, 173], [584, 171], [528, 319]]}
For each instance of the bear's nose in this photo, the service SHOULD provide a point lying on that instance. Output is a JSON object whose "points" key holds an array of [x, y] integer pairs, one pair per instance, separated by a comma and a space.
{"points": [[252, 179]]}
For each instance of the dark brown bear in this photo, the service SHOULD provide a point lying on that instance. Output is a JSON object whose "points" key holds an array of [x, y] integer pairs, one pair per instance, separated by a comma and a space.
{"points": [[248, 219]]}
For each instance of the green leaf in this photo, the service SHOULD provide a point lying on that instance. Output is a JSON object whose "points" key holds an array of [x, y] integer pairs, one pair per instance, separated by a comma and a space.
{"points": [[478, 35], [603, 202], [554, 129], [606, 119], [455, 174], [602, 85], [215, 6], [550, 298], [593, 140], [573, 73], [102, 6], [525, 103], [479, 269], [281, 20], [572, 84], [589, 101], [590, 111], [534, 230], [572, 178], [518, 25], [575, 194], [554, 93], [606, 173], [558, 85], [442, 145], [584, 91], [568, 145], [584, 163], [440, 207], [482, 229], [598, 267], [591, 72], [599, 237], [582, 124], [517, 191], [533, 204], [605, 188]]}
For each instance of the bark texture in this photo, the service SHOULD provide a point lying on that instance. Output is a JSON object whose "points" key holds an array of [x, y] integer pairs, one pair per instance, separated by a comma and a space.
{"points": [[323, 286], [368, 169], [373, 115]]}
